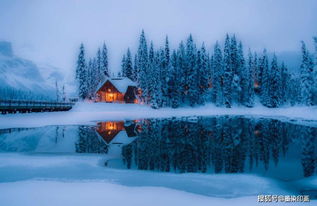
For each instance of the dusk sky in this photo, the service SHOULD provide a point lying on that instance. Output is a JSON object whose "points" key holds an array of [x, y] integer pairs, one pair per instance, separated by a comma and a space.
{"points": [[50, 31]]}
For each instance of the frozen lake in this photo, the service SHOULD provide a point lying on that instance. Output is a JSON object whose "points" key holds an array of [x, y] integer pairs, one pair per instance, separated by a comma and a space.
{"points": [[211, 156]]}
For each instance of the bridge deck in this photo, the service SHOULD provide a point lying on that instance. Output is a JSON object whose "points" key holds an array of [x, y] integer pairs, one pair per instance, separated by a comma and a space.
{"points": [[13, 106]]}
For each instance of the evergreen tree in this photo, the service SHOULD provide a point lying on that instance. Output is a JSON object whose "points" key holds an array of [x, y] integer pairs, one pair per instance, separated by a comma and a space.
{"points": [[256, 75], [233, 53], [181, 54], [247, 82], [202, 69], [190, 70], [294, 90], [210, 91], [151, 70], [265, 80], [275, 84], [94, 74], [238, 64], [306, 76], [104, 61], [142, 65], [155, 83], [315, 75], [135, 76], [90, 79], [163, 76], [175, 81], [165, 70], [228, 75], [129, 67], [99, 77], [81, 73], [218, 76], [124, 66], [285, 78]]}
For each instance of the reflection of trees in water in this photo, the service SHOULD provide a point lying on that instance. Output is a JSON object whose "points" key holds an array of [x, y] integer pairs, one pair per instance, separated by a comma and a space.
{"points": [[223, 144], [88, 141], [308, 151]]}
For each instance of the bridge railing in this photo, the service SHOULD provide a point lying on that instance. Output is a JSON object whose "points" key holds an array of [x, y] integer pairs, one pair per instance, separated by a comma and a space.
{"points": [[23, 104]]}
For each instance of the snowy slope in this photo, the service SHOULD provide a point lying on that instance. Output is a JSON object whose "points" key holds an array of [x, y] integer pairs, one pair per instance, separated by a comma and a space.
{"points": [[23, 75]]}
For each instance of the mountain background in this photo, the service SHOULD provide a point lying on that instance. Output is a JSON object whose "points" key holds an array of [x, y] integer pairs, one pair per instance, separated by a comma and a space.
{"points": [[23, 78]]}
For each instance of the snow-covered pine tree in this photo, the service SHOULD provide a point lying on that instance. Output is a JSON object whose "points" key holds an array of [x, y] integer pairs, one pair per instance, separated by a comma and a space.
{"points": [[210, 90], [124, 66], [265, 79], [234, 56], [94, 74], [155, 81], [315, 74], [238, 64], [294, 90], [255, 73], [165, 67], [90, 79], [174, 81], [129, 66], [167, 52], [190, 70], [247, 82], [104, 61], [228, 75], [218, 77], [285, 78], [306, 76], [100, 75], [182, 75], [81, 73], [203, 75], [275, 84], [142, 65], [136, 71], [195, 90], [151, 70]]}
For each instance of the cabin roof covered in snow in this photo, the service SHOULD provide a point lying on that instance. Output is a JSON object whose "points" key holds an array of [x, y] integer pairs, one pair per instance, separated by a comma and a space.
{"points": [[121, 83]]}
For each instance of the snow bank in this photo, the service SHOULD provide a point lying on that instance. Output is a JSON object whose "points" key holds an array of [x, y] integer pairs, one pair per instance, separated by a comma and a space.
{"points": [[88, 113], [19, 167], [82, 180], [39, 193]]}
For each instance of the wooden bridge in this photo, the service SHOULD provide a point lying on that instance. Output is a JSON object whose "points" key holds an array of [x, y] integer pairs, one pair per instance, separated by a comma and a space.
{"points": [[14, 106]]}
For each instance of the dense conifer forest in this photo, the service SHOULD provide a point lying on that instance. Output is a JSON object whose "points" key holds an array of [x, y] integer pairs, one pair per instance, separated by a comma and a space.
{"points": [[192, 75]]}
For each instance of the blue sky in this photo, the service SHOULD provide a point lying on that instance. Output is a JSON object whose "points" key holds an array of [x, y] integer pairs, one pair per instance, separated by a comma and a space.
{"points": [[50, 31]]}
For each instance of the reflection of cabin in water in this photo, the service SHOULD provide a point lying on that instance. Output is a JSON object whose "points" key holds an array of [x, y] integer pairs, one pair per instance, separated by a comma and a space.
{"points": [[117, 132], [119, 90]]}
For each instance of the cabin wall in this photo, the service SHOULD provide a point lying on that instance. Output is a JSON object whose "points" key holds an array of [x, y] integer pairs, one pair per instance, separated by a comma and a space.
{"points": [[108, 93]]}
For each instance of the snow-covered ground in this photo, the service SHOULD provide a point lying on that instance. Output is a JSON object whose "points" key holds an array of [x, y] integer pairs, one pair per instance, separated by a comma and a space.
{"points": [[82, 180], [88, 113]]}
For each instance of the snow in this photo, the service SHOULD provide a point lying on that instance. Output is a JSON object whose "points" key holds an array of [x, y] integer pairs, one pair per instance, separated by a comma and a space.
{"points": [[39, 193], [89, 113], [121, 83], [81, 180]]}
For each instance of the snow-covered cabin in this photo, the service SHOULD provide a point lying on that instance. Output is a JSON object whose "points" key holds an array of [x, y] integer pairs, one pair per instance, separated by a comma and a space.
{"points": [[119, 89]]}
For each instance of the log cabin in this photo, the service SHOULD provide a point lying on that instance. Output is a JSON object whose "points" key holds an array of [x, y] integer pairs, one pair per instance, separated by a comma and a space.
{"points": [[117, 90]]}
